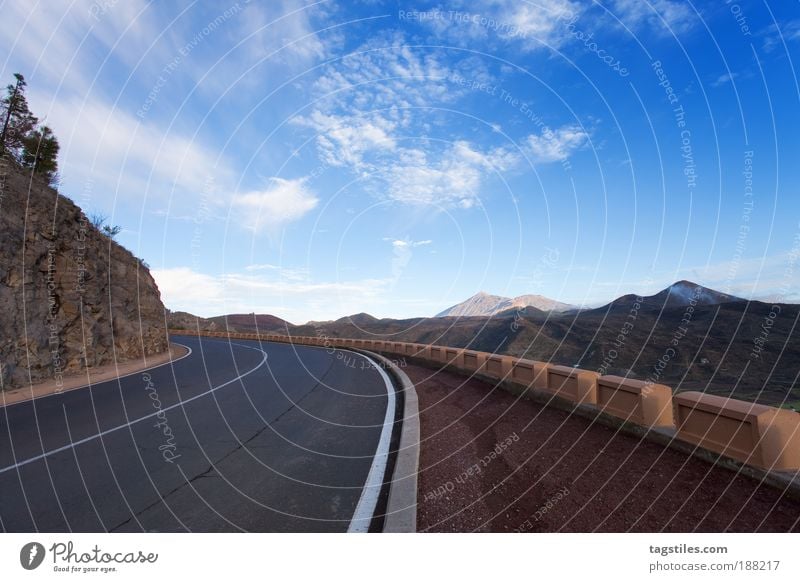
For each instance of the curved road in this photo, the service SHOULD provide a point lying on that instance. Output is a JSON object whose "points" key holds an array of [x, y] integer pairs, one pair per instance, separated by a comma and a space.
{"points": [[237, 436]]}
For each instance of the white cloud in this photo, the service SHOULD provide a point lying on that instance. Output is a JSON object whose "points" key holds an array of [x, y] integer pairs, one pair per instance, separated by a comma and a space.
{"points": [[529, 25], [345, 140], [60, 47], [283, 201], [451, 178], [440, 184], [261, 267], [285, 31], [407, 243], [664, 17], [104, 148], [114, 149], [556, 145], [724, 79], [56, 39], [286, 273], [373, 118], [776, 35], [402, 251], [184, 289], [540, 20]]}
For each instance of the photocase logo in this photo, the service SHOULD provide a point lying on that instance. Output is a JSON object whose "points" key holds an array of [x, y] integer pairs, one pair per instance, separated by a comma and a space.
{"points": [[31, 555]]}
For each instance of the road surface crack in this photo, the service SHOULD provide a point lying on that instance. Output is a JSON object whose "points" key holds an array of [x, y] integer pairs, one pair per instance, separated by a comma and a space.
{"points": [[241, 445]]}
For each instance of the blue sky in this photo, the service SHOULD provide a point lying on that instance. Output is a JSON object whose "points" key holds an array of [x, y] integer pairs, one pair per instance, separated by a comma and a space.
{"points": [[314, 160]]}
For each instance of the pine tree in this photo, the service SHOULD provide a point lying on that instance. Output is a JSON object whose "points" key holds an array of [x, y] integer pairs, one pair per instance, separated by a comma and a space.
{"points": [[40, 153], [18, 121]]}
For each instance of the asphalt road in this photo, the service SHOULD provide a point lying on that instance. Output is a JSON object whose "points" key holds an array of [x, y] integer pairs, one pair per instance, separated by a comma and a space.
{"points": [[239, 436]]}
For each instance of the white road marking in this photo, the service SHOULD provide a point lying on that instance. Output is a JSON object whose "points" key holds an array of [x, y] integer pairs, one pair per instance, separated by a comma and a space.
{"points": [[121, 426], [372, 488]]}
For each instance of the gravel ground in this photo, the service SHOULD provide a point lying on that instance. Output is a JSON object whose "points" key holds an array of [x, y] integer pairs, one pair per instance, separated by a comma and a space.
{"points": [[492, 462]]}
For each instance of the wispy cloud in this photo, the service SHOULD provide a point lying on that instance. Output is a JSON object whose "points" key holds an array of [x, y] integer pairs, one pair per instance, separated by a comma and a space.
{"points": [[541, 20], [345, 140], [61, 49], [402, 252], [185, 289], [775, 35], [283, 201], [663, 17], [376, 115], [286, 273], [452, 177], [525, 25], [63, 42], [286, 30], [113, 147], [557, 145], [407, 243], [724, 79]]}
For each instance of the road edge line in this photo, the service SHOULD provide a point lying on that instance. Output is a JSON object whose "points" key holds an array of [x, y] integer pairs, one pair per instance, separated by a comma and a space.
{"points": [[368, 501], [401, 508]]}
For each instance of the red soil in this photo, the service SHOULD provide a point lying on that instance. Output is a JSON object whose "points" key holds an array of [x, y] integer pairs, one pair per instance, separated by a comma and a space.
{"points": [[552, 471]]}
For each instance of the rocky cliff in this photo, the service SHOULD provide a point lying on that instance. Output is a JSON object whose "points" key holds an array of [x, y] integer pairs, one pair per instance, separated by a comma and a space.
{"points": [[70, 297]]}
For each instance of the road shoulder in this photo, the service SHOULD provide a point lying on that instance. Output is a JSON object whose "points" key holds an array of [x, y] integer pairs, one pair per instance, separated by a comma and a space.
{"points": [[93, 376], [401, 508]]}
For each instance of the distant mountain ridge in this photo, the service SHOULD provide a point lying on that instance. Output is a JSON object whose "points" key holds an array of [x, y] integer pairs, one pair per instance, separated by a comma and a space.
{"points": [[484, 304], [243, 322], [679, 294], [714, 355]]}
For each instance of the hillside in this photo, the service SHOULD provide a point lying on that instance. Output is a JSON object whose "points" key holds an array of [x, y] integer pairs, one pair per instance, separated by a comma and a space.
{"points": [[243, 322], [679, 294], [70, 297], [714, 349], [484, 304]]}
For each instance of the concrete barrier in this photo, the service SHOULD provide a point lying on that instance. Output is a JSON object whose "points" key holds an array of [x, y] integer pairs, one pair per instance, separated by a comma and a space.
{"points": [[636, 401], [529, 373], [435, 354], [498, 367], [470, 360], [758, 435], [574, 384], [755, 434]]}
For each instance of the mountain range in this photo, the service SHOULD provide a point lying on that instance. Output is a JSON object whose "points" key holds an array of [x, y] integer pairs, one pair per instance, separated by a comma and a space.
{"points": [[679, 294], [484, 304], [718, 346]]}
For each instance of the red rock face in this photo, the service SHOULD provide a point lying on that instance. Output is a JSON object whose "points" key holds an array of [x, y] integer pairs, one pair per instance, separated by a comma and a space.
{"points": [[70, 297]]}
